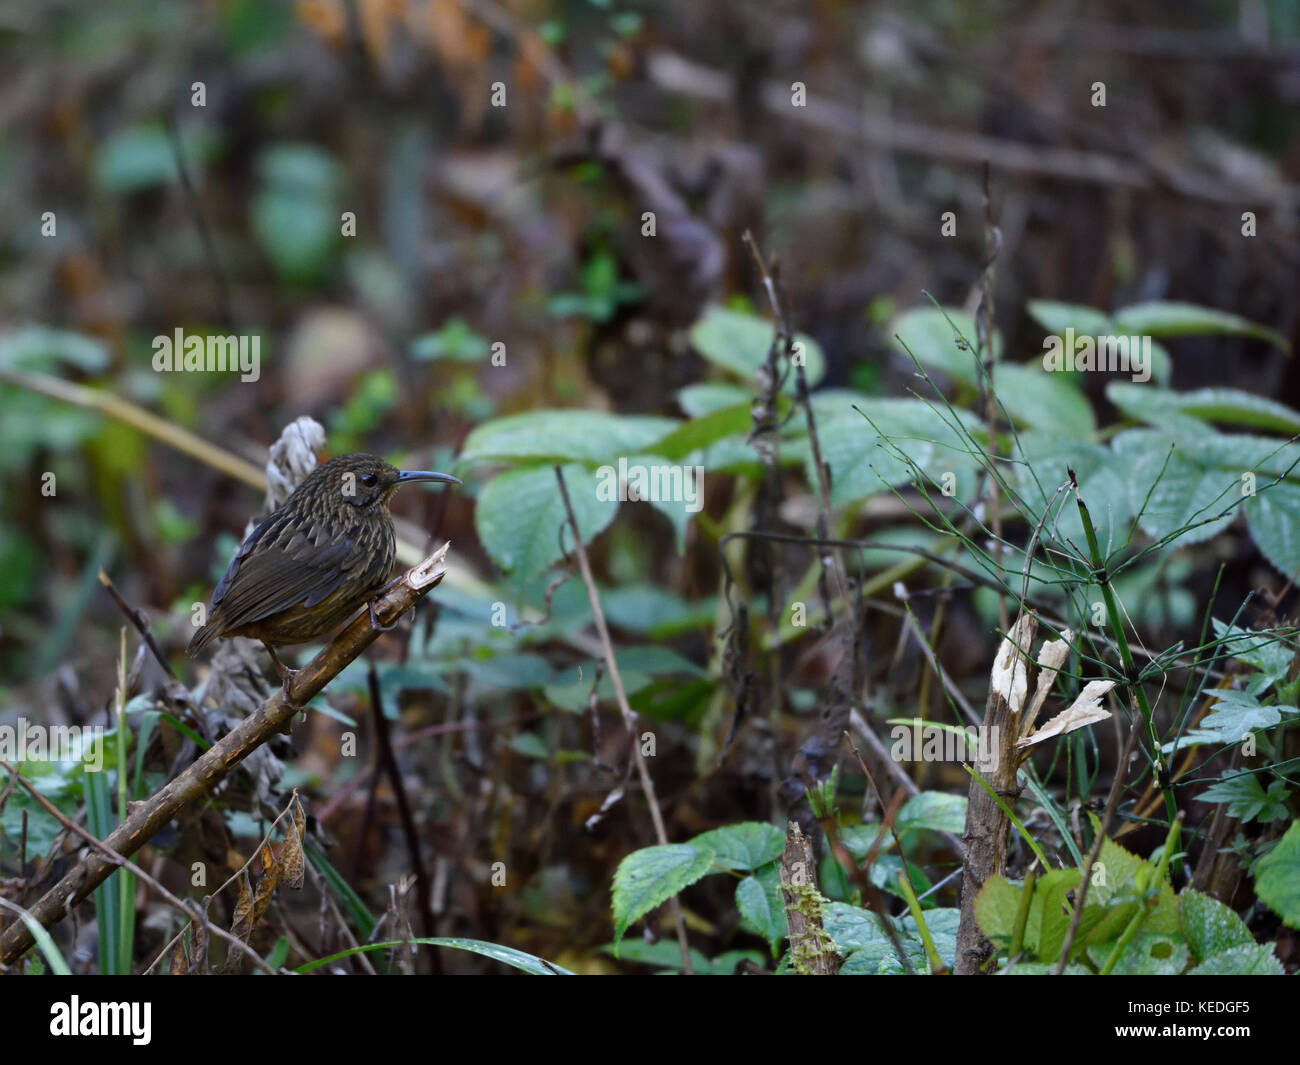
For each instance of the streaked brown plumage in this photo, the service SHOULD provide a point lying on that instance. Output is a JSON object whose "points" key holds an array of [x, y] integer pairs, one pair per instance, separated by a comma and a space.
{"points": [[316, 560]]}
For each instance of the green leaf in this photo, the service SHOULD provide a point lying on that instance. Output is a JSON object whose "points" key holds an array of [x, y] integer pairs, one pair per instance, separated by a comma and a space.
{"points": [[589, 436], [517, 959], [1246, 798], [1056, 318], [743, 846], [141, 157], [1188, 490], [1234, 715], [1277, 877], [1273, 517], [942, 922], [1166, 319], [866, 450], [1050, 912], [739, 342], [1210, 926], [1227, 405], [1050, 401], [38, 347], [455, 341], [996, 907], [295, 212], [1266, 651], [935, 810], [1149, 954], [530, 745], [1102, 483], [654, 610], [650, 877], [1257, 959], [854, 928], [703, 431], [936, 344], [701, 399], [519, 515], [664, 953], [761, 906]]}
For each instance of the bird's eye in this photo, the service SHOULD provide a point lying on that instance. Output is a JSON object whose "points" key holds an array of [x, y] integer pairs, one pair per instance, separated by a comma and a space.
{"points": [[369, 480]]}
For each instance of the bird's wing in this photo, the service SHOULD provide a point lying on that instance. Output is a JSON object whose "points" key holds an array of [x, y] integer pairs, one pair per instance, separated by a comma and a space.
{"points": [[281, 566]]}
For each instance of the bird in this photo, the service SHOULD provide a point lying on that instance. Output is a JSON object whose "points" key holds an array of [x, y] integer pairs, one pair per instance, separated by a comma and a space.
{"points": [[314, 561]]}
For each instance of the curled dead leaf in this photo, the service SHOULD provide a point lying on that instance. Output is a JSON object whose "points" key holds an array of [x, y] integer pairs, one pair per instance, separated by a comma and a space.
{"points": [[1085, 710]]}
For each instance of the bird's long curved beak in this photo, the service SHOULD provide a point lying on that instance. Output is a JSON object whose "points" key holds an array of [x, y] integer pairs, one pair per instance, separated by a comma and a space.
{"points": [[426, 475]]}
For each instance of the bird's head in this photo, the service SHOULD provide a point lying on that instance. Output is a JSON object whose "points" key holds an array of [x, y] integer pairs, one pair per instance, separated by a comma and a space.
{"points": [[364, 481]]}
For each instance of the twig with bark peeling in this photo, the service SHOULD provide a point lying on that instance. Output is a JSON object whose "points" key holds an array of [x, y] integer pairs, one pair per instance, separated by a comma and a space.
{"points": [[117, 860], [271, 718], [629, 715]]}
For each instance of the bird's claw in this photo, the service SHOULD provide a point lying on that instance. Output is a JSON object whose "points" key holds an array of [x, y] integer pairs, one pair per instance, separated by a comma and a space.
{"points": [[374, 620]]}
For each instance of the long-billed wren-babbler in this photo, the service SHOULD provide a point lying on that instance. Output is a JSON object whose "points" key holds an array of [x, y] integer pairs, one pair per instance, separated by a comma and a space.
{"points": [[316, 560]]}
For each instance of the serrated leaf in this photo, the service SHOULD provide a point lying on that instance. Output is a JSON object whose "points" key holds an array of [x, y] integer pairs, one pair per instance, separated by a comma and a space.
{"points": [[1049, 913], [1226, 405], [1102, 483], [743, 846], [1257, 959], [739, 342], [1160, 318], [853, 928], [651, 876], [1149, 954], [996, 907], [1246, 798], [1266, 651], [942, 923], [1274, 519], [1178, 490], [519, 514], [868, 452], [1277, 877], [761, 907], [1210, 926]]}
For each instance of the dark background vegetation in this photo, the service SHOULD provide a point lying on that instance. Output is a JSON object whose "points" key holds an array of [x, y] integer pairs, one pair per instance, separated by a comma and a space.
{"points": [[478, 224]]}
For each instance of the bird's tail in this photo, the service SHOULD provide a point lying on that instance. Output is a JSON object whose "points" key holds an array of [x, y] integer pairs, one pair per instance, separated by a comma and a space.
{"points": [[202, 638]]}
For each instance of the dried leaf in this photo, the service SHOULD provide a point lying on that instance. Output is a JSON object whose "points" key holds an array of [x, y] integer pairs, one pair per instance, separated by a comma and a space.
{"points": [[291, 857], [1085, 710], [199, 954], [179, 964], [242, 926], [1051, 656], [266, 886], [1010, 675]]}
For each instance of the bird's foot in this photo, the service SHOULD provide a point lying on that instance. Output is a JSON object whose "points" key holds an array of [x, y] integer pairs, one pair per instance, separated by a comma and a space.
{"points": [[374, 620], [287, 675]]}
